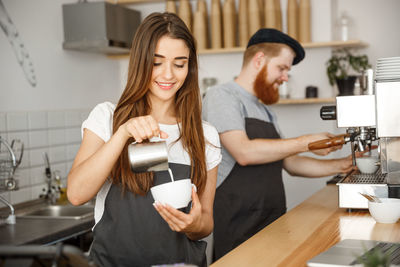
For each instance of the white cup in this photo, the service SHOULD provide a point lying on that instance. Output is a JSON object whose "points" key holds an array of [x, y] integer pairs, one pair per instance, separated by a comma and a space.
{"points": [[177, 194], [367, 164]]}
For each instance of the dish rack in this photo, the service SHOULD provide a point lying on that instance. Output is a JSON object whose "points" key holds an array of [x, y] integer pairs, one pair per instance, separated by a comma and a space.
{"points": [[9, 162]]}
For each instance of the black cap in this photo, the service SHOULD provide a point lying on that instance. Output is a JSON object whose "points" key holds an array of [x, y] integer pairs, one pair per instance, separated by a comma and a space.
{"points": [[267, 35]]}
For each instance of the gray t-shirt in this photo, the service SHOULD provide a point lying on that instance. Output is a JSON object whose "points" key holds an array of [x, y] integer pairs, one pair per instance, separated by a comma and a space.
{"points": [[226, 106]]}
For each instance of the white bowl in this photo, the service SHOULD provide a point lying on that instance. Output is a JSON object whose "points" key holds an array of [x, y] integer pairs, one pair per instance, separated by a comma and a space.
{"points": [[386, 212], [176, 194], [367, 164]]}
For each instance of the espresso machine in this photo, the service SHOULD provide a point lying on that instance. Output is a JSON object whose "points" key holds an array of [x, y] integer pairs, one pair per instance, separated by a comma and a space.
{"points": [[369, 118]]}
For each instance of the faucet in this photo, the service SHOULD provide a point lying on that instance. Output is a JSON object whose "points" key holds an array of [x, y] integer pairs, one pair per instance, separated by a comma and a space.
{"points": [[52, 191], [11, 218]]}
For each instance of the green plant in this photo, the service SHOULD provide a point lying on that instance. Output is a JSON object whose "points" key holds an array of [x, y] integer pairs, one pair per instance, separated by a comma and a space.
{"points": [[375, 258], [343, 63]]}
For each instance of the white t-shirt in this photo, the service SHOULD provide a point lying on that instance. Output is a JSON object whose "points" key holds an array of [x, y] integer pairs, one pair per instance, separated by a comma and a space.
{"points": [[100, 122]]}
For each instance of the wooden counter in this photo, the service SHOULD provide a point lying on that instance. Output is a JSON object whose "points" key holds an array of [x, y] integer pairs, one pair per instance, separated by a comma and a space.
{"points": [[307, 230]]}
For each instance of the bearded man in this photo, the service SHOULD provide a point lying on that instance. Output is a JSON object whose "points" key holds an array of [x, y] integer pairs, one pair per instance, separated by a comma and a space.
{"points": [[250, 193]]}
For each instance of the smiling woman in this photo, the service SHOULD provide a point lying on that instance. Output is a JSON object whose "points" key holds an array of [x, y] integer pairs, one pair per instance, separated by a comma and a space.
{"points": [[161, 98], [170, 69]]}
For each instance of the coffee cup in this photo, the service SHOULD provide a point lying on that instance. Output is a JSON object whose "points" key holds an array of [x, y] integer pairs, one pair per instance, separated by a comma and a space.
{"points": [[311, 92], [177, 194], [367, 164]]}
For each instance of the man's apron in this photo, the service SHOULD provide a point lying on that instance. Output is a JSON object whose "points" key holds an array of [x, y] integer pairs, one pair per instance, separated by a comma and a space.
{"points": [[250, 198], [132, 233]]}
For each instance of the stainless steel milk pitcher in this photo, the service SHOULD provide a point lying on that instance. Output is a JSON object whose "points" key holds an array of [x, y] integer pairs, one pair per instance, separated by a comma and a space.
{"points": [[151, 156]]}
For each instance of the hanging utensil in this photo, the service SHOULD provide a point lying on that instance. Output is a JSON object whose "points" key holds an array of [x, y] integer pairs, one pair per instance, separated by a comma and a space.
{"points": [[371, 198], [8, 164], [47, 163], [15, 149]]}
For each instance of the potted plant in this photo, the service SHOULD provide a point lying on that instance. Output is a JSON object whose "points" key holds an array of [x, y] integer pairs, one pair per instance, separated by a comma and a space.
{"points": [[375, 258], [343, 68]]}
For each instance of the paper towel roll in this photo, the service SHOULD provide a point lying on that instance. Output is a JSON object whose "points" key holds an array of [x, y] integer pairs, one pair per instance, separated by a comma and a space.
{"points": [[278, 11], [216, 24], [229, 18], [170, 6], [254, 17], [292, 18], [199, 29], [305, 21], [243, 23], [185, 12]]}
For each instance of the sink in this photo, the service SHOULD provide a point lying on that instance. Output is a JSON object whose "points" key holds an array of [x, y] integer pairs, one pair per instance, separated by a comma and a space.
{"points": [[59, 212]]}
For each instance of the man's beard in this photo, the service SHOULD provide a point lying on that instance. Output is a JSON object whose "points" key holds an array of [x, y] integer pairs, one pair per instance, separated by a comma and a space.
{"points": [[264, 90]]}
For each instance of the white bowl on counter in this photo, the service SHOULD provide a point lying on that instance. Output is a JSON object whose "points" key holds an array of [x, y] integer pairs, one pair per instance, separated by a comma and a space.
{"points": [[386, 211]]}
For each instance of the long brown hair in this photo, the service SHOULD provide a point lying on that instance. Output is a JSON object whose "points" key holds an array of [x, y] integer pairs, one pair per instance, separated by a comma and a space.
{"points": [[134, 101]]}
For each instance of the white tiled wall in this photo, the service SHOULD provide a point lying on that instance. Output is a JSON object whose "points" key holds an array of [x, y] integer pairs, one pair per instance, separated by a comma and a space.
{"points": [[55, 132]]}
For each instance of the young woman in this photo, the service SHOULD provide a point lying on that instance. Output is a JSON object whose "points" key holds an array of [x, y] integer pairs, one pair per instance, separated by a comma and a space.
{"points": [[161, 98]]}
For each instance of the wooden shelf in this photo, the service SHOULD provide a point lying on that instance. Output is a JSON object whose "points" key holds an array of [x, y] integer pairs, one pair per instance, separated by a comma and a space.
{"points": [[333, 44], [221, 50], [337, 44], [124, 2], [290, 101]]}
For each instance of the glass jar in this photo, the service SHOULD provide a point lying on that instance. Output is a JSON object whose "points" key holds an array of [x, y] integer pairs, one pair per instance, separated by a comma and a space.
{"points": [[207, 83], [344, 28], [284, 90]]}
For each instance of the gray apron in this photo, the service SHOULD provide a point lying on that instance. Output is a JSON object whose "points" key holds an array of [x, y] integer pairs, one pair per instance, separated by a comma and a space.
{"points": [[250, 198], [132, 233]]}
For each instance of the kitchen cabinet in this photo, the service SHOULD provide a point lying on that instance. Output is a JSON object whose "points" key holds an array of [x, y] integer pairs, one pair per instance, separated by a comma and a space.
{"points": [[82, 240]]}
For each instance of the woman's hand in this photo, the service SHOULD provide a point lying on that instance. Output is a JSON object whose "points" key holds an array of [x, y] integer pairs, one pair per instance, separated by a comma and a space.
{"points": [[179, 221], [142, 128]]}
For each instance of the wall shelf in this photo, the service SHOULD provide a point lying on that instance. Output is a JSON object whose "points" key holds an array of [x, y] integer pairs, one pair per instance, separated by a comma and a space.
{"points": [[306, 101], [124, 2], [332, 44]]}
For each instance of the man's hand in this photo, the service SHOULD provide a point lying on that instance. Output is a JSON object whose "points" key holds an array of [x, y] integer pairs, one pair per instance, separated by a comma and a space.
{"points": [[345, 165], [326, 151], [308, 139]]}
